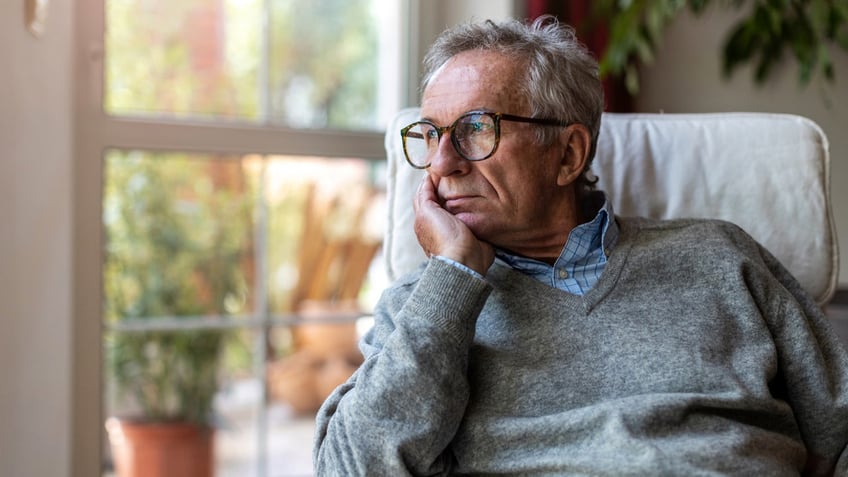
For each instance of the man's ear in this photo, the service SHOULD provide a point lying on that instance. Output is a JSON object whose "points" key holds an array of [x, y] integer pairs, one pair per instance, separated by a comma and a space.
{"points": [[576, 143]]}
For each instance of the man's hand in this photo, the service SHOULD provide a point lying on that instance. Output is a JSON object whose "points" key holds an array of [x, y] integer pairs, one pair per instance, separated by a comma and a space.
{"points": [[441, 233]]}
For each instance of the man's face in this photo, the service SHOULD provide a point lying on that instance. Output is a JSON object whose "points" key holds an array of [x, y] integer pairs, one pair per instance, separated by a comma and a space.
{"points": [[511, 198]]}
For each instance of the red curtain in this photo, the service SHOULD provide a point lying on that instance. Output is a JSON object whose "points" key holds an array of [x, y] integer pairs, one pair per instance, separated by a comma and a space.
{"points": [[593, 34]]}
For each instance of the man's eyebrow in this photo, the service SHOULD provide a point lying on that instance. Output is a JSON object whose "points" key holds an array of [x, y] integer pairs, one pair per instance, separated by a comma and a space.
{"points": [[472, 110]]}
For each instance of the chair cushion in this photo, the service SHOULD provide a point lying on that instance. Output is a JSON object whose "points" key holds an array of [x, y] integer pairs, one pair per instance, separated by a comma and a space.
{"points": [[767, 173]]}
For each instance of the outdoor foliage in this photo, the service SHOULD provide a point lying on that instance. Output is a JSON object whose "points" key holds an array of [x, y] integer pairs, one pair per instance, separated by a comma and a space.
{"points": [[311, 64], [323, 58], [770, 31], [176, 58], [178, 244]]}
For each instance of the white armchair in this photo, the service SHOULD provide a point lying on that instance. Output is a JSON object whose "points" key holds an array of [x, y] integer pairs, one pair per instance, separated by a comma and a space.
{"points": [[767, 173]]}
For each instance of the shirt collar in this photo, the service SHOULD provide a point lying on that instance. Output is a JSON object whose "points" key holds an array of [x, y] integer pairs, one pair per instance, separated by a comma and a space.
{"points": [[603, 223]]}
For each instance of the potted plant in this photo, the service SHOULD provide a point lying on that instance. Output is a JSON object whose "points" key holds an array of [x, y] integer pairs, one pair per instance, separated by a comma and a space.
{"points": [[172, 376], [177, 250]]}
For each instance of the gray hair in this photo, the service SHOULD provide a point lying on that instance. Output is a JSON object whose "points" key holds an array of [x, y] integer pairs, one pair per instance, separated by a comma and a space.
{"points": [[562, 79]]}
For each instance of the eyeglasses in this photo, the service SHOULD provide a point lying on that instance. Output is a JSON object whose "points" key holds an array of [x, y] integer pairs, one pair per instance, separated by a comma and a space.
{"points": [[475, 136]]}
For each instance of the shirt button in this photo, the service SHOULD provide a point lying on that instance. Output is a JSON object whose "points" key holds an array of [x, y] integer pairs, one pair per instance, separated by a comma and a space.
{"points": [[563, 274]]}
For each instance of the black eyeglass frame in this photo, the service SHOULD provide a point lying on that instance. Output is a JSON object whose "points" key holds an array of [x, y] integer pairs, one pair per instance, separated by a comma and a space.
{"points": [[496, 118]]}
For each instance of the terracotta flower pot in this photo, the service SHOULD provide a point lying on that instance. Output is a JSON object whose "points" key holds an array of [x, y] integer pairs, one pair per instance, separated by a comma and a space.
{"points": [[159, 449]]}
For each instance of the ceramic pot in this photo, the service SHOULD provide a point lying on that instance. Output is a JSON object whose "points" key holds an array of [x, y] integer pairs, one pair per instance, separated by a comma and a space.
{"points": [[160, 449]]}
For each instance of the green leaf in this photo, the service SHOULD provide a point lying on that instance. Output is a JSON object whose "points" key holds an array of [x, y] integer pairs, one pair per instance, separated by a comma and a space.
{"points": [[842, 39], [644, 48], [631, 80], [739, 47], [698, 6], [826, 64], [654, 22], [819, 17]]}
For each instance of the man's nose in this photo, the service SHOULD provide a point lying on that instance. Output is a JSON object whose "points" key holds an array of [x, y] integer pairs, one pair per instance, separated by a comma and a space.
{"points": [[447, 161]]}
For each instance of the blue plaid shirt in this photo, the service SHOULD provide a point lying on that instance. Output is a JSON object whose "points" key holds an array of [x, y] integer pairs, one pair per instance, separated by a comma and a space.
{"points": [[583, 258]]}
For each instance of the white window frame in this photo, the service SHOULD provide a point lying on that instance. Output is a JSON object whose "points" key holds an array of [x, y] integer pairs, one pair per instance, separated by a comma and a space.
{"points": [[95, 132]]}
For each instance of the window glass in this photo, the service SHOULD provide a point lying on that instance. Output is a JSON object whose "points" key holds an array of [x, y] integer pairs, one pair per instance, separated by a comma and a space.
{"points": [[325, 226], [234, 289], [152, 368], [179, 235], [317, 64], [235, 286]]}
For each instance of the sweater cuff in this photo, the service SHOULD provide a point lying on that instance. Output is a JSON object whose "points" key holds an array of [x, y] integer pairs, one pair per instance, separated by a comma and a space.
{"points": [[458, 265], [450, 298]]}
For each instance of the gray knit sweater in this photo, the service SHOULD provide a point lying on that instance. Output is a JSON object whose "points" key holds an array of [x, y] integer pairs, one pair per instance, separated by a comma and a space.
{"points": [[695, 354]]}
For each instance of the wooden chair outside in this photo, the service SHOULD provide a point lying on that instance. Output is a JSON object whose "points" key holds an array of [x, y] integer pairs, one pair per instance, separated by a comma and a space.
{"points": [[335, 254]]}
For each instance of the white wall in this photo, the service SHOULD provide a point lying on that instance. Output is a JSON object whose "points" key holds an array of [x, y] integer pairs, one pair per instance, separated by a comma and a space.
{"points": [[686, 77], [432, 17], [35, 243]]}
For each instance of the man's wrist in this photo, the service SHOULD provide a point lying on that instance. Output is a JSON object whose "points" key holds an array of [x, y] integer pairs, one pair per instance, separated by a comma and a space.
{"points": [[458, 265]]}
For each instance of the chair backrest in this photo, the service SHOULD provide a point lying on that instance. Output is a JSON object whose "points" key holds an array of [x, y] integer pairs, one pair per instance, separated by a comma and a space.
{"points": [[767, 173]]}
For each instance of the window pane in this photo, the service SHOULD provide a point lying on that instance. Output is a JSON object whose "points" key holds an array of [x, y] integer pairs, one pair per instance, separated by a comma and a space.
{"points": [[183, 57], [207, 261], [167, 370], [319, 64], [237, 406], [290, 437], [325, 229], [325, 62], [179, 235]]}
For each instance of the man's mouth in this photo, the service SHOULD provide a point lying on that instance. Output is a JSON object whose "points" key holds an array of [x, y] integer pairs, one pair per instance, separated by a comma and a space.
{"points": [[457, 201]]}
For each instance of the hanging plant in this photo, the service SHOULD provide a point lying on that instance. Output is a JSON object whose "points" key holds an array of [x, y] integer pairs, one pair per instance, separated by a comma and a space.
{"points": [[772, 30]]}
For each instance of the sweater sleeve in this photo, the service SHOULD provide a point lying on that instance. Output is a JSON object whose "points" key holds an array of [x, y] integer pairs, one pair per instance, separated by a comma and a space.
{"points": [[813, 366], [398, 413]]}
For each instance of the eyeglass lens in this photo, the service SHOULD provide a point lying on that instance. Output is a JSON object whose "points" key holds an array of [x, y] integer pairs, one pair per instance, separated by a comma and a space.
{"points": [[473, 135]]}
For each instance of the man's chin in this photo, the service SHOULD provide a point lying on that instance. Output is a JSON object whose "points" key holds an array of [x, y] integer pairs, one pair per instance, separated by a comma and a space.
{"points": [[474, 222], [467, 218]]}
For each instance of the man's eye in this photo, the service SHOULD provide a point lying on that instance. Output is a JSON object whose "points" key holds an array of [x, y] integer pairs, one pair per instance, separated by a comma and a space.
{"points": [[474, 127]]}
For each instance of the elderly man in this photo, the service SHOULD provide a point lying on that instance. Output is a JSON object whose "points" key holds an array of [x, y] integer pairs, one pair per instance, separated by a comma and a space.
{"points": [[547, 336]]}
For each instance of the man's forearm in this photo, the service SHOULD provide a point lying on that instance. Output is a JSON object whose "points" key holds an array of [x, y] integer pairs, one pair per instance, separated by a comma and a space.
{"points": [[401, 409]]}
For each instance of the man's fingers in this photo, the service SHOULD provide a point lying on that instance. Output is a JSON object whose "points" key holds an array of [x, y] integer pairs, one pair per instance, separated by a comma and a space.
{"points": [[421, 193]]}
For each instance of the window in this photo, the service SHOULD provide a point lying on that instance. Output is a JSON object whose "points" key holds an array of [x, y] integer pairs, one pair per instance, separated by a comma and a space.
{"points": [[324, 64], [235, 151]]}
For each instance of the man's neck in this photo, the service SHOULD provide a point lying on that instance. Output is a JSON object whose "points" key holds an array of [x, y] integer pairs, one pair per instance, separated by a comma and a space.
{"points": [[548, 247]]}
